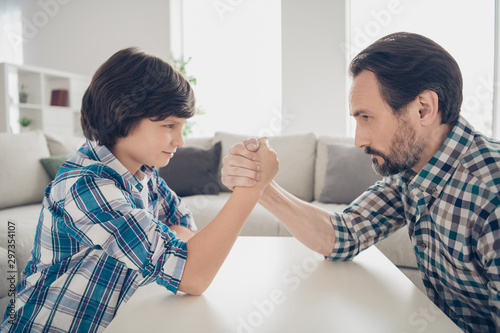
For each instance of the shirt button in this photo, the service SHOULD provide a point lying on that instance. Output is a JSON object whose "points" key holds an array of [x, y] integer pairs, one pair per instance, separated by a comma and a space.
{"points": [[423, 245], [434, 190]]}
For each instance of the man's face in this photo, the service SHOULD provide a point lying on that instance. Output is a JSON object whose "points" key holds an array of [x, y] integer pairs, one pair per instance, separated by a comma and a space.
{"points": [[392, 140]]}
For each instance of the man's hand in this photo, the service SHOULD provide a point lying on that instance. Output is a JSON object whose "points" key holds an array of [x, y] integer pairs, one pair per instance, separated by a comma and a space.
{"points": [[269, 163], [242, 166]]}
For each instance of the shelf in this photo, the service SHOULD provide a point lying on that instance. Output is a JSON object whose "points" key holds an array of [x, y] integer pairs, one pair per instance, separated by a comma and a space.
{"points": [[27, 106], [39, 84]]}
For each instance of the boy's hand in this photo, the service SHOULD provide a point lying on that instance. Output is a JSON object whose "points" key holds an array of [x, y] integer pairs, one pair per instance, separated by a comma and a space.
{"points": [[242, 167]]}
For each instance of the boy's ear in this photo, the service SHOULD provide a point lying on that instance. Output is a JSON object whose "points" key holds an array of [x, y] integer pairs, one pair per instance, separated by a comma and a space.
{"points": [[428, 107]]}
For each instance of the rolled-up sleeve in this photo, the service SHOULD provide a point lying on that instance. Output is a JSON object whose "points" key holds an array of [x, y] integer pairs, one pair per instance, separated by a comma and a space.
{"points": [[373, 216]]}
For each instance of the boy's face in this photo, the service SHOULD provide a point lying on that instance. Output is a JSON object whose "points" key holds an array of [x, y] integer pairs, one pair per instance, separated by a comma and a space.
{"points": [[150, 143]]}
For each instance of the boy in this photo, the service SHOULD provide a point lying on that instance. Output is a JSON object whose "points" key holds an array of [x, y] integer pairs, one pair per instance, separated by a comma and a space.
{"points": [[109, 224]]}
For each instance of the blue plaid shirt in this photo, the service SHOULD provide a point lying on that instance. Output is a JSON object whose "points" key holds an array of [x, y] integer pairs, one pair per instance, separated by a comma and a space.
{"points": [[452, 209], [96, 243]]}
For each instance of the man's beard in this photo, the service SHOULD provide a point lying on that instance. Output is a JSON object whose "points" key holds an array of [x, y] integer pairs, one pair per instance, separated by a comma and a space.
{"points": [[404, 153]]}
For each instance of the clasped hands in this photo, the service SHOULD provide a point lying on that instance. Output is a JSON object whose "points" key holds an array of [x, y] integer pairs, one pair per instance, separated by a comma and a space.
{"points": [[250, 163]]}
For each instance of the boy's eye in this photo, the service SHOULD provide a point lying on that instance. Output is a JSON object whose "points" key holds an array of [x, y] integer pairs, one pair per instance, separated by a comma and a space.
{"points": [[169, 126]]}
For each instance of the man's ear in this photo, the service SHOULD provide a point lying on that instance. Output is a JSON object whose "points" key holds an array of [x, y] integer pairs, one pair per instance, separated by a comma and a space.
{"points": [[428, 107]]}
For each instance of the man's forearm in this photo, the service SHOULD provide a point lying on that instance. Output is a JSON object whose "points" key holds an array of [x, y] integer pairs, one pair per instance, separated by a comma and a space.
{"points": [[310, 224]]}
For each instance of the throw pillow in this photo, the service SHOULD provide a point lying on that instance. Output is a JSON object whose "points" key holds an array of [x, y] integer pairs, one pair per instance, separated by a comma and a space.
{"points": [[63, 145], [193, 170], [348, 174], [53, 163]]}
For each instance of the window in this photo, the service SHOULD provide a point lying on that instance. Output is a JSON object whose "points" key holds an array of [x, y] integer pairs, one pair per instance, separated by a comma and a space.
{"points": [[464, 28], [11, 32], [235, 48]]}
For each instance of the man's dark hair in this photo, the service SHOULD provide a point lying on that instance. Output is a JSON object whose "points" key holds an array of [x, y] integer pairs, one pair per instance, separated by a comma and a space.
{"points": [[131, 86], [405, 65]]}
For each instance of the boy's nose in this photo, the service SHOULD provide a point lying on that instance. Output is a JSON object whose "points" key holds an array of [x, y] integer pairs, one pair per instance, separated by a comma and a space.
{"points": [[179, 139]]}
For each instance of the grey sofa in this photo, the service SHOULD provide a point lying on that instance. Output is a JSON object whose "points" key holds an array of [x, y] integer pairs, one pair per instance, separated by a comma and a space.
{"points": [[304, 159]]}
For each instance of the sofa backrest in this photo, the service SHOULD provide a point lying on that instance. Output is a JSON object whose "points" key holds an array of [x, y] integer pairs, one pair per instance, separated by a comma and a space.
{"points": [[297, 155], [303, 163], [22, 176]]}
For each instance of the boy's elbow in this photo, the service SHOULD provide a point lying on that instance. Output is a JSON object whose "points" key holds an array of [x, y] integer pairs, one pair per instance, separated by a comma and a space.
{"points": [[192, 288], [193, 291]]}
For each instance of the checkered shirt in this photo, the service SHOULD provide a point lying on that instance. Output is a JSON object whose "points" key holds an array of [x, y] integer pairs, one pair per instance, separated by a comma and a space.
{"points": [[96, 243], [452, 209]]}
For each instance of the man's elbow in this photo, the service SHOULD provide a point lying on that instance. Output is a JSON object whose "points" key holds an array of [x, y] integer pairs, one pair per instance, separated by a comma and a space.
{"points": [[326, 245]]}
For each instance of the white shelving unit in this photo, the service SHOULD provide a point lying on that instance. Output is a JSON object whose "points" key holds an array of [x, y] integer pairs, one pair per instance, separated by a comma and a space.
{"points": [[39, 84]]}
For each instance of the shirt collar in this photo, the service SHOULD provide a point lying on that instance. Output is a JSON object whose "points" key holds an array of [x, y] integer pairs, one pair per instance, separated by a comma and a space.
{"points": [[437, 172], [102, 154]]}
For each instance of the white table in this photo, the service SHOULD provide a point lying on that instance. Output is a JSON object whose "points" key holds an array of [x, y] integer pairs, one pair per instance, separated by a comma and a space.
{"points": [[276, 284]]}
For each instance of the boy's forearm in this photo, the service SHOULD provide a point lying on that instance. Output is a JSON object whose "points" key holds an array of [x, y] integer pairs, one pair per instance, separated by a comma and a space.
{"points": [[209, 247], [310, 224]]}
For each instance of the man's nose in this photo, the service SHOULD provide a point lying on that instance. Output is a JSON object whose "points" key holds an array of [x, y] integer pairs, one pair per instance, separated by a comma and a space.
{"points": [[361, 138]]}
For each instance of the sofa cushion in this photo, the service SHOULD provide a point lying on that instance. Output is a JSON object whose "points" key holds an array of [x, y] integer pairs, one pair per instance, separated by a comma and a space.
{"points": [[296, 153], [53, 163], [348, 174], [26, 220], [201, 142], [322, 159], [22, 176], [23, 234], [193, 170], [260, 222], [59, 145], [5, 271]]}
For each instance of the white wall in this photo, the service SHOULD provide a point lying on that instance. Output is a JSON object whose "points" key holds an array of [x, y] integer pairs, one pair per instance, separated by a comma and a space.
{"points": [[314, 66], [79, 35]]}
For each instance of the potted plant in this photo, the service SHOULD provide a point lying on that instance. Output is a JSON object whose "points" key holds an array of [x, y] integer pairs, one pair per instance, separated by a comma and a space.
{"points": [[23, 95], [180, 65], [25, 123]]}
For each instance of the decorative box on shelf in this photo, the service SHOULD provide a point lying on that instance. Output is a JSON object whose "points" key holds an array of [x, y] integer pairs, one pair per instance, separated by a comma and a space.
{"points": [[59, 97]]}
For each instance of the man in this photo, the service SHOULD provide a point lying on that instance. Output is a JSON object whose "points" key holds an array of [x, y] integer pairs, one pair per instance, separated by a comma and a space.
{"points": [[442, 179]]}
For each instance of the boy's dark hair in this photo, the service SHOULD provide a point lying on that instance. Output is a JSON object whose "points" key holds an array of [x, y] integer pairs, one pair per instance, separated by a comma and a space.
{"points": [[131, 86], [405, 65]]}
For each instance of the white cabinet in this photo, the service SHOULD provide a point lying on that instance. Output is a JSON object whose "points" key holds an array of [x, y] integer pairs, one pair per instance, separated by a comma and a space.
{"points": [[53, 100]]}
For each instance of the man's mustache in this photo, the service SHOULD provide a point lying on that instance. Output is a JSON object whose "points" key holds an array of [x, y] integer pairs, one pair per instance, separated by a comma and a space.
{"points": [[371, 151]]}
